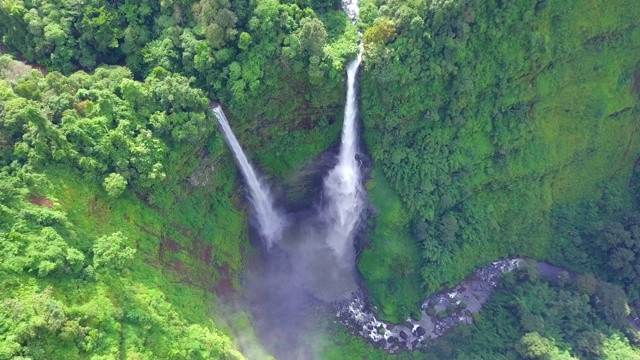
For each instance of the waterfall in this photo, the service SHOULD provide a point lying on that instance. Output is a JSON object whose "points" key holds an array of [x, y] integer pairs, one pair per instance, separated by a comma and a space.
{"points": [[319, 249], [270, 221], [342, 186], [352, 9], [315, 257]]}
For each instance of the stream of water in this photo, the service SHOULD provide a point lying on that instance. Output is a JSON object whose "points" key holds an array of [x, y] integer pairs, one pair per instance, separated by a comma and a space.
{"points": [[271, 222], [343, 191]]}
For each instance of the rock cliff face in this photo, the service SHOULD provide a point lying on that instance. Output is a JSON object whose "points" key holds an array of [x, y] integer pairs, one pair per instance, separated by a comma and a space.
{"points": [[484, 116]]}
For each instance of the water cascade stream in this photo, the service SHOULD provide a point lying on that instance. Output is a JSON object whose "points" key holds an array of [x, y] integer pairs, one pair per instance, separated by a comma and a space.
{"points": [[270, 222], [319, 247], [343, 185], [322, 248]]}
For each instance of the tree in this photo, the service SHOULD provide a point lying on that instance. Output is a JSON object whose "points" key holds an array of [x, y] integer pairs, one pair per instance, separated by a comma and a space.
{"points": [[528, 270], [590, 343], [114, 184], [110, 251], [533, 346], [381, 33], [245, 41], [532, 323], [611, 302], [219, 20], [587, 283], [448, 229], [312, 35], [617, 348]]}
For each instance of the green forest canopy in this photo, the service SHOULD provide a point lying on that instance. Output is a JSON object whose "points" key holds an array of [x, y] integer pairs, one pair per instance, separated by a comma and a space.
{"points": [[496, 128]]}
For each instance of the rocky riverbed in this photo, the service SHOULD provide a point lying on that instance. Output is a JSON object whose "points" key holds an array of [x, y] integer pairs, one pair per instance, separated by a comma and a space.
{"points": [[440, 312]]}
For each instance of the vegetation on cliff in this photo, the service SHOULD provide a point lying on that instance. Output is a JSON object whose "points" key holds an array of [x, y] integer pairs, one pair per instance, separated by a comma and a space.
{"points": [[496, 128], [533, 317], [90, 226], [485, 117], [122, 217]]}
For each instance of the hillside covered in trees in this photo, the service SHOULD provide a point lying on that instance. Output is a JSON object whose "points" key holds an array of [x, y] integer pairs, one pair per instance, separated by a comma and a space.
{"points": [[509, 112], [494, 128]]}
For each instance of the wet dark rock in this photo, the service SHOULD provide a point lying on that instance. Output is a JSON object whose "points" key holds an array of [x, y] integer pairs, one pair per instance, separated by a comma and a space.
{"points": [[410, 336]]}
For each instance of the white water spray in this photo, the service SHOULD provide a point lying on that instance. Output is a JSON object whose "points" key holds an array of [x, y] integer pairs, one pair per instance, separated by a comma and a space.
{"points": [[352, 9], [342, 186], [271, 222]]}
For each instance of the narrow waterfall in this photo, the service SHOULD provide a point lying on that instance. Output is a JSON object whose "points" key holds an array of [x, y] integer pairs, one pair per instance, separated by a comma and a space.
{"points": [[342, 186], [271, 222]]}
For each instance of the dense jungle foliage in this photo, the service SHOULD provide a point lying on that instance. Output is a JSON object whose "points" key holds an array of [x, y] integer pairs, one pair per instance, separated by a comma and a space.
{"points": [[89, 223], [486, 118], [530, 317], [496, 128], [122, 221]]}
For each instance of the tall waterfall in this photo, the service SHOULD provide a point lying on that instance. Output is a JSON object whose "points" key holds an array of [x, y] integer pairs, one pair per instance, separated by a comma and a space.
{"points": [[342, 186], [271, 222], [316, 255]]}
